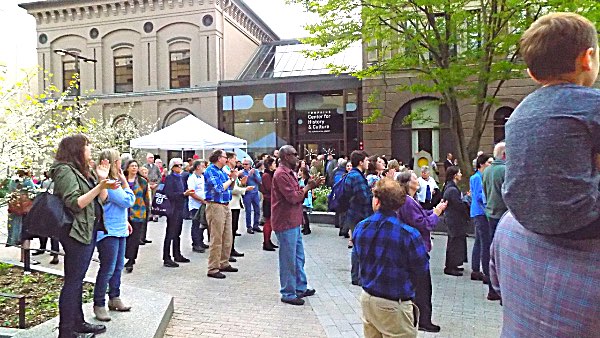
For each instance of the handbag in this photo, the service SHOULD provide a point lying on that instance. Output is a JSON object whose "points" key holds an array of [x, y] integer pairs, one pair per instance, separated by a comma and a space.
{"points": [[200, 216], [48, 216], [19, 203], [161, 205]]}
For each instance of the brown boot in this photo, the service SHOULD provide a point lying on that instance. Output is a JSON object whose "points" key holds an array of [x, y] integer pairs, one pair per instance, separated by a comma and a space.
{"points": [[116, 304], [101, 313]]}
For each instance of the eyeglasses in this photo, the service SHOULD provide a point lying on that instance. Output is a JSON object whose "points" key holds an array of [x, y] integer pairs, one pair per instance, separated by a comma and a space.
{"points": [[178, 165], [246, 164], [293, 154]]}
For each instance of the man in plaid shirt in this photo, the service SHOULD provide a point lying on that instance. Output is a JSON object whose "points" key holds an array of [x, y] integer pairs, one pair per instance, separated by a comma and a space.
{"points": [[359, 192], [391, 254]]}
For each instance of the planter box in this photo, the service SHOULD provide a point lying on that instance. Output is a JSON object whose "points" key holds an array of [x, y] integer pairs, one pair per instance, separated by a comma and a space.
{"points": [[149, 317], [322, 217]]}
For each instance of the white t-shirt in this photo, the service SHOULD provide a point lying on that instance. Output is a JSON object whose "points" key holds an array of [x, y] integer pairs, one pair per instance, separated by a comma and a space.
{"points": [[196, 182], [422, 193]]}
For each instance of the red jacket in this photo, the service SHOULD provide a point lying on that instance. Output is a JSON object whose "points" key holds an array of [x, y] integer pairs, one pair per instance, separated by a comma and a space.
{"points": [[286, 200]]}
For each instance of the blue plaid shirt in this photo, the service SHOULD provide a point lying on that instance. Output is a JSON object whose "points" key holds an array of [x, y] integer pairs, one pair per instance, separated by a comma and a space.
{"points": [[391, 254], [213, 185], [361, 195]]}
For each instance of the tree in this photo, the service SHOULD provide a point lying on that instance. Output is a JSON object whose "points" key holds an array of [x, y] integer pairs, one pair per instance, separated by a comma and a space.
{"points": [[442, 43]]}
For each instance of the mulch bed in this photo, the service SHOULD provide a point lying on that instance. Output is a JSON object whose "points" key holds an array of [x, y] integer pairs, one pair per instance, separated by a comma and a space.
{"points": [[42, 291]]}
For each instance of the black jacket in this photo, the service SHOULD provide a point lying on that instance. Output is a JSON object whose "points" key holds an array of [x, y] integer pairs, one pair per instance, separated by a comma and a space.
{"points": [[174, 189], [457, 212]]}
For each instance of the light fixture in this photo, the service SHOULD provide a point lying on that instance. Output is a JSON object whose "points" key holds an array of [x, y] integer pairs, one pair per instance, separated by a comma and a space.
{"points": [[60, 52]]}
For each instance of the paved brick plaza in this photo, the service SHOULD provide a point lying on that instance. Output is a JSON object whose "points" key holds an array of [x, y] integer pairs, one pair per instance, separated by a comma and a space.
{"points": [[246, 304]]}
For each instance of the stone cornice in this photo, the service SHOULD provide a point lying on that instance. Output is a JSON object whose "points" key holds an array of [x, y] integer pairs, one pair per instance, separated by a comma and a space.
{"points": [[57, 11]]}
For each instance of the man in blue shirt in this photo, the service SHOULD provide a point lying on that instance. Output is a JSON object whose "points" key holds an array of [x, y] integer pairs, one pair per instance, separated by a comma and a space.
{"points": [[359, 192], [482, 232], [251, 197], [391, 256], [218, 187]]}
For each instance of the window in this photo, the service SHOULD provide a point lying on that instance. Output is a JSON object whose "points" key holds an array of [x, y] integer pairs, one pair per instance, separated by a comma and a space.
{"points": [[180, 69], [500, 118], [69, 71], [123, 74]]}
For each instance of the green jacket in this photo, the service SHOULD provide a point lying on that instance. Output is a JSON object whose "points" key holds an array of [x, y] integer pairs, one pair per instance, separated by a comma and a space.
{"points": [[70, 184], [493, 178]]}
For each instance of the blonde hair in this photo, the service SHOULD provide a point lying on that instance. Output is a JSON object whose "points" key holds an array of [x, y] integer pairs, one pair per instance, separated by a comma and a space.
{"points": [[112, 155]]}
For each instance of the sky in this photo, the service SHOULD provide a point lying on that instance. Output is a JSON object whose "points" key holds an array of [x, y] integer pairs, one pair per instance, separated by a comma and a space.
{"points": [[18, 36]]}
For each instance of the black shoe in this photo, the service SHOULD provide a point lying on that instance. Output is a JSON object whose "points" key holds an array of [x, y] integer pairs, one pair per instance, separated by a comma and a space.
{"points": [[357, 283], [342, 234], [460, 269], [307, 293], [147, 241], [273, 245], [73, 334], [54, 260], [204, 246], [346, 235], [229, 269], [129, 269], [217, 275], [493, 296], [86, 327], [452, 272], [198, 248], [234, 253], [181, 259], [477, 275], [170, 264], [295, 301], [250, 231], [237, 234], [306, 232], [38, 252], [268, 248], [257, 229], [232, 260], [429, 328]]}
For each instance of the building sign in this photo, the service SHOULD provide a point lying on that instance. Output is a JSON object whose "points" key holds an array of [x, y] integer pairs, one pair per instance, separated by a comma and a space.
{"points": [[322, 121]]}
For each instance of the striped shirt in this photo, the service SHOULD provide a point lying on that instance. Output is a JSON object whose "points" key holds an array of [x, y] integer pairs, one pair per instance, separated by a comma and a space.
{"points": [[550, 286]]}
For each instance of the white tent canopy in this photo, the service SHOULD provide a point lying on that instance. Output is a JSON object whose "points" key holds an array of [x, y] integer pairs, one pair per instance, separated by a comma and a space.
{"points": [[189, 133]]}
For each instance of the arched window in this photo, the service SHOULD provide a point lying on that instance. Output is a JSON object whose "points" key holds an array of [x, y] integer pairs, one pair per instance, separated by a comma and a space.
{"points": [[500, 117], [174, 116], [179, 64], [123, 68], [428, 132]]}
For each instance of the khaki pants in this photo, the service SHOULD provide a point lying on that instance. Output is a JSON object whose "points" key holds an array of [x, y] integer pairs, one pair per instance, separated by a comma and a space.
{"points": [[218, 217], [388, 318]]}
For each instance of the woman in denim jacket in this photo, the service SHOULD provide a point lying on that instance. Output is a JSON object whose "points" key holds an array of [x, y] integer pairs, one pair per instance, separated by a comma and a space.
{"points": [[111, 245]]}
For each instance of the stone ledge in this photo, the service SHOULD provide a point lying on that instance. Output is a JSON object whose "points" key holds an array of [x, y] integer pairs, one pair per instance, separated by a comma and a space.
{"points": [[150, 314]]}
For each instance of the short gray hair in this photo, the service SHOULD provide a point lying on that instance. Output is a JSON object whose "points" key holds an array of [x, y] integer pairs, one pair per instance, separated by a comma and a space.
{"points": [[425, 169], [499, 150]]}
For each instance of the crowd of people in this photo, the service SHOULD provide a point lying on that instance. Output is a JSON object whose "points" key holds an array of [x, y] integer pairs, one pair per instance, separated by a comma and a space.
{"points": [[536, 258]]}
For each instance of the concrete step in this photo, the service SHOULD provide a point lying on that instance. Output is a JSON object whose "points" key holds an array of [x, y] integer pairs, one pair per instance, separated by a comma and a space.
{"points": [[149, 316]]}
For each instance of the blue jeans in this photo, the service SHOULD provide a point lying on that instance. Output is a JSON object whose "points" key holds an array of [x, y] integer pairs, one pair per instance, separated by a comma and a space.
{"points": [[111, 251], [252, 204], [77, 261], [291, 263], [482, 238]]}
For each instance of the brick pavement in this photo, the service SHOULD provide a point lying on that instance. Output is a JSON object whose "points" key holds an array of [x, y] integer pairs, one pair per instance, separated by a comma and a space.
{"points": [[246, 304]]}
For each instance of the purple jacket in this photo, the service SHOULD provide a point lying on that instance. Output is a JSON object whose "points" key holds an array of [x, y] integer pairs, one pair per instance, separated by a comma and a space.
{"points": [[415, 216]]}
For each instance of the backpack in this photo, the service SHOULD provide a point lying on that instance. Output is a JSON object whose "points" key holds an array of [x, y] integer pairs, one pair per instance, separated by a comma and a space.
{"points": [[48, 216], [337, 200]]}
